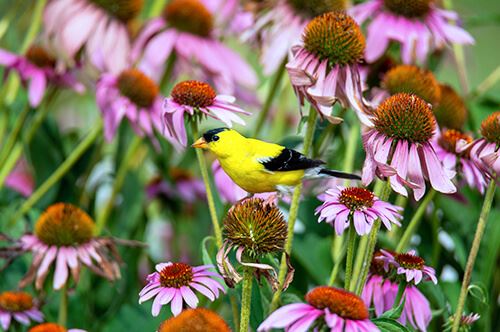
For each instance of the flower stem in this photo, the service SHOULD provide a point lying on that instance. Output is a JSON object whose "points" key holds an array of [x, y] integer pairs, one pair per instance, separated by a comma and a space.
{"points": [[156, 8], [350, 255], [399, 295], [481, 225], [10, 163], [371, 242], [59, 172], [63, 306], [12, 139], [34, 27], [103, 216], [415, 221], [246, 299], [294, 209], [271, 94], [210, 198]]}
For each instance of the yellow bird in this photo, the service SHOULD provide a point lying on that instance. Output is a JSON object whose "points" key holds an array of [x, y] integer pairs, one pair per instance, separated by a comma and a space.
{"points": [[258, 166]]}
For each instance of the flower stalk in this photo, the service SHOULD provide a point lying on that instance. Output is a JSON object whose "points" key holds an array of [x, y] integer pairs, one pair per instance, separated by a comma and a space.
{"points": [[399, 295], [210, 198], [481, 225], [350, 256], [63, 306], [246, 299], [415, 221], [294, 209]]}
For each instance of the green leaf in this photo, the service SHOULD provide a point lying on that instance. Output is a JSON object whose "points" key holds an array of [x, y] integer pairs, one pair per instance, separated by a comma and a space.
{"points": [[257, 310], [207, 259], [389, 325], [479, 292], [395, 313]]}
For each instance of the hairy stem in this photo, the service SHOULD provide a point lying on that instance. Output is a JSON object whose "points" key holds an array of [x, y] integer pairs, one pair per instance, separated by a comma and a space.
{"points": [[415, 221], [210, 198], [350, 255], [481, 225], [294, 209], [63, 306], [14, 134], [246, 299]]}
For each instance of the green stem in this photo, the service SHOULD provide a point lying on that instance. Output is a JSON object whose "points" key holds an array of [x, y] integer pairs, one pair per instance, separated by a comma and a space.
{"points": [[167, 75], [338, 252], [210, 198], [481, 225], [294, 208], [271, 94], [234, 308], [12, 139], [10, 163], [399, 295], [156, 8], [487, 84], [371, 242], [63, 306], [59, 172], [246, 299], [350, 255], [40, 115], [35, 23], [103, 216], [415, 221]]}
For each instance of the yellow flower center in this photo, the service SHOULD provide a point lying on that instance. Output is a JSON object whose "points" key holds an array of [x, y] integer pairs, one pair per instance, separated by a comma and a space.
{"points": [[405, 116], [195, 320], [313, 8], [139, 88], [413, 80], [258, 227], [47, 327], [38, 56], [335, 37], [176, 275], [15, 301], [189, 16], [356, 198], [193, 93], [123, 10], [338, 301], [490, 128], [409, 8], [451, 111], [409, 261], [64, 224]]}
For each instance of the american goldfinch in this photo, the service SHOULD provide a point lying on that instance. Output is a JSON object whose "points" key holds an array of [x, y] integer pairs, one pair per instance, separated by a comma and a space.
{"points": [[258, 166]]}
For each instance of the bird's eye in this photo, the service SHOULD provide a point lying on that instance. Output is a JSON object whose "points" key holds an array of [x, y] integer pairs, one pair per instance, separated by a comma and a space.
{"points": [[215, 138]]}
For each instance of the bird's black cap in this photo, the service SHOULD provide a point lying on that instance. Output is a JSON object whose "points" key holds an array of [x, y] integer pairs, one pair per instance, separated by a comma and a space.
{"points": [[208, 136]]}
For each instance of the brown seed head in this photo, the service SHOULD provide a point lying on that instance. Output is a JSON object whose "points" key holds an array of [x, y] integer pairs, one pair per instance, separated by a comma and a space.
{"points": [[176, 275], [195, 320], [338, 301], [450, 137], [451, 111], [193, 93], [409, 261], [189, 16], [356, 198], [407, 117], [64, 224], [123, 10], [335, 37], [409, 8], [490, 128], [47, 327], [313, 8], [39, 56], [139, 88], [15, 301]]}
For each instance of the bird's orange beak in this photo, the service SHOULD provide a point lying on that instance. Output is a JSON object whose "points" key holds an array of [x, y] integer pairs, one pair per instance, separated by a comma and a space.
{"points": [[200, 143]]}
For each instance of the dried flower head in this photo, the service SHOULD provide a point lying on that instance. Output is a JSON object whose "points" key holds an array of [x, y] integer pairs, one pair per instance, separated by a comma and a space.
{"points": [[335, 37], [195, 320], [413, 80], [407, 117], [451, 111], [189, 16], [258, 227]]}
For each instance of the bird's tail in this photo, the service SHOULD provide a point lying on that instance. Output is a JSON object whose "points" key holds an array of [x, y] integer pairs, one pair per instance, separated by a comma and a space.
{"points": [[338, 174]]}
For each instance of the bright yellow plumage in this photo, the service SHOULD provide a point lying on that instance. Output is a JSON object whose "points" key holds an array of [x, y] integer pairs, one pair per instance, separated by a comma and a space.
{"points": [[242, 159]]}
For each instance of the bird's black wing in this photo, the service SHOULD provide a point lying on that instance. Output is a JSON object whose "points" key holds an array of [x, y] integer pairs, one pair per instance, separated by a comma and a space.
{"points": [[290, 160]]}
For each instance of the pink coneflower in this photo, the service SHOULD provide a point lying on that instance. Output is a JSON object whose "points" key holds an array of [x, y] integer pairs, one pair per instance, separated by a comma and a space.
{"points": [[381, 291], [197, 99], [52, 327], [486, 151], [20, 307], [96, 27], [451, 111], [281, 26], [133, 95], [188, 29], [173, 283], [358, 207], [21, 178], [338, 309], [411, 266], [466, 322], [325, 69], [418, 25], [37, 69], [185, 186], [448, 148], [398, 146], [64, 236]]}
